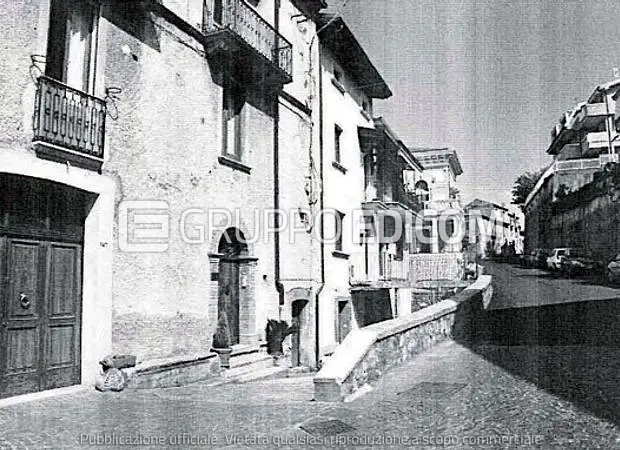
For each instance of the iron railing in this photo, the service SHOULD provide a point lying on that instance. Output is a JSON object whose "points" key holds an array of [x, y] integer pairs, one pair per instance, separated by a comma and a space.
{"points": [[69, 118], [240, 18]]}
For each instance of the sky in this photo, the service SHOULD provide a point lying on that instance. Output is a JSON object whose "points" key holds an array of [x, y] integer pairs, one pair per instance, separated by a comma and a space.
{"points": [[488, 78]]}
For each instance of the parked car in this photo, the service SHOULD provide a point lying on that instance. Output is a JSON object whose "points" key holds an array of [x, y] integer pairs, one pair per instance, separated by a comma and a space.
{"points": [[578, 261], [554, 261], [613, 270], [536, 258]]}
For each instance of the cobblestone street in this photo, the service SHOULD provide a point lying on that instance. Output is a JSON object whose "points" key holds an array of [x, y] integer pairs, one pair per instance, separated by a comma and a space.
{"points": [[476, 397]]}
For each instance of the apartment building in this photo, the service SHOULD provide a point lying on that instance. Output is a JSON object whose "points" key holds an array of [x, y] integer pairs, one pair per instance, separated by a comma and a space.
{"points": [[583, 142], [438, 191], [380, 268], [348, 85], [140, 143], [495, 229]]}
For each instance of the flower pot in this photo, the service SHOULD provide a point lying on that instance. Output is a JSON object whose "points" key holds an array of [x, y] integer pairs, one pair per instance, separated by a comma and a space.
{"points": [[280, 361], [224, 355]]}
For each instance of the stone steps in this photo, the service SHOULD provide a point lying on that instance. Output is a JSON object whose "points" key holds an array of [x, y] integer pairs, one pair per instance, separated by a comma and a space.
{"points": [[188, 369]]}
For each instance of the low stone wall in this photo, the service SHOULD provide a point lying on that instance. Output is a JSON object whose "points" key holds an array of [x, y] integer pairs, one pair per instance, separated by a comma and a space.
{"points": [[436, 266], [368, 352], [172, 372]]}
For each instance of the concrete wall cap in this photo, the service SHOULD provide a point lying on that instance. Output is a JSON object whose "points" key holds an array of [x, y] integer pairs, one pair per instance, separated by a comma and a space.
{"points": [[358, 342], [355, 346], [482, 283]]}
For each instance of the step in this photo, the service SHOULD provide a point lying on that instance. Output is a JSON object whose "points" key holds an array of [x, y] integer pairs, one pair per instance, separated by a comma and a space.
{"points": [[261, 374], [174, 371], [187, 369], [259, 362]]}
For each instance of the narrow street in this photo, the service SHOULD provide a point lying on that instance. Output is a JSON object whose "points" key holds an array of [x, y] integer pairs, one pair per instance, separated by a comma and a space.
{"points": [[516, 287], [534, 393]]}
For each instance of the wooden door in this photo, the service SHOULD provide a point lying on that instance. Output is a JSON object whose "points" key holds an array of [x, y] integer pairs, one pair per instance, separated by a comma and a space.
{"points": [[228, 300], [298, 322], [40, 300], [344, 320], [22, 309], [61, 325]]}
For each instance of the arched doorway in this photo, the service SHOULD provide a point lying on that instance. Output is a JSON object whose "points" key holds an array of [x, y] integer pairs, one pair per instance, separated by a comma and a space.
{"points": [[232, 248], [422, 191]]}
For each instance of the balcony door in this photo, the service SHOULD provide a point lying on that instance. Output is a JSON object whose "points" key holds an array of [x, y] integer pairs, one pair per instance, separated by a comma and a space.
{"points": [[72, 43]]}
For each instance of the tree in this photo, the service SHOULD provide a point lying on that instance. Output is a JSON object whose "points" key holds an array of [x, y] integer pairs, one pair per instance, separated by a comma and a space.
{"points": [[524, 185]]}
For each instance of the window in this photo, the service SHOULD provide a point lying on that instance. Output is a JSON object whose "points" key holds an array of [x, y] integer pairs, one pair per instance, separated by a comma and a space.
{"points": [[339, 230], [337, 143], [71, 44], [422, 191], [233, 120], [217, 11]]}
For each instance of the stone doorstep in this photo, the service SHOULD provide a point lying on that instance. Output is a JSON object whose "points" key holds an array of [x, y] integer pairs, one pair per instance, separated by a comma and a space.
{"points": [[186, 369]]}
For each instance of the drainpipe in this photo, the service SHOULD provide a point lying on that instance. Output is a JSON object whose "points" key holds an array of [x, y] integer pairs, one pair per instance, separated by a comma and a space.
{"points": [[276, 181], [321, 206]]}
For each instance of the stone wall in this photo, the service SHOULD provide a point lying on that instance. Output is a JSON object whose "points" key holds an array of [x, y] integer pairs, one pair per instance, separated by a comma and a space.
{"points": [[367, 353], [589, 218]]}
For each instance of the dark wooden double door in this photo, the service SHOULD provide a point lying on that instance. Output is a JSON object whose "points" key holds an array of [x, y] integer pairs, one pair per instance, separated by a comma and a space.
{"points": [[40, 287]]}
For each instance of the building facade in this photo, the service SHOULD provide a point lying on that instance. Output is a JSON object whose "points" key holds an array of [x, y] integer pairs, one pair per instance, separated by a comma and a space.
{"points": [[584, 142], [438, 190], [127, 115], [495, 230], [344, 107], [168, 164]]}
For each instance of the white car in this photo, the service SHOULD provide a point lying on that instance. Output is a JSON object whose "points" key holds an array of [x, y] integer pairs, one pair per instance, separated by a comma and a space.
{"points": [[613, 270], [554, 262]]}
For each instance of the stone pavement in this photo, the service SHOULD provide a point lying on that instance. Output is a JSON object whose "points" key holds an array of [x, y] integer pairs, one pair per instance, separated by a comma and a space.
{"points": [[490, 396]]}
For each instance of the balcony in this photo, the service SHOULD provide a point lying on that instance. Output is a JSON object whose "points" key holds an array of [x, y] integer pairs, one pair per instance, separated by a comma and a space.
{"points": [[69, 125], [377, 270], [560, 136], [442, 205], [577, 164], [590, 116], [585, 163], [236, 36], [593, 143]]}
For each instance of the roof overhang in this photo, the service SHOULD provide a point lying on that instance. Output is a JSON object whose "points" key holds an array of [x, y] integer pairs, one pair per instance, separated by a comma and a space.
{"points": [[310, 6], [438, 157], [338, 38]]}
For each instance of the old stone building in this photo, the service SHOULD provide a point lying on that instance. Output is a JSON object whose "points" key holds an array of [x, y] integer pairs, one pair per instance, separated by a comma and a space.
{"points": [[130, 130]]}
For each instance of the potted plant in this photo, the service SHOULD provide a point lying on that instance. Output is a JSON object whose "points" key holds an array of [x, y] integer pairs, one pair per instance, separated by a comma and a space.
{"points": [[221, 340], [276, 331]]}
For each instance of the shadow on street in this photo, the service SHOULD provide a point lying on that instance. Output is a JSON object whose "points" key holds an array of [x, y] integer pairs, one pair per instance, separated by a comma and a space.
{"points": [[571, 350]]}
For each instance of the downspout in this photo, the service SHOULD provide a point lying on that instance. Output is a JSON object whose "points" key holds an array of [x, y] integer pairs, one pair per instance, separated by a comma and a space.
{"points": [[276, 179], [321, 206]]}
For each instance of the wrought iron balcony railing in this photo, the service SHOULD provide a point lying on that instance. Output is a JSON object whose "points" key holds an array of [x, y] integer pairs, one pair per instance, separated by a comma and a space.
{"points": [[241, 19], [70, 120]]}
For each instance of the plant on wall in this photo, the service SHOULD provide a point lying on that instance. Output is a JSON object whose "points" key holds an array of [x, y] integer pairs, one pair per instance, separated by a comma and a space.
{"points": [[276, 331]]}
